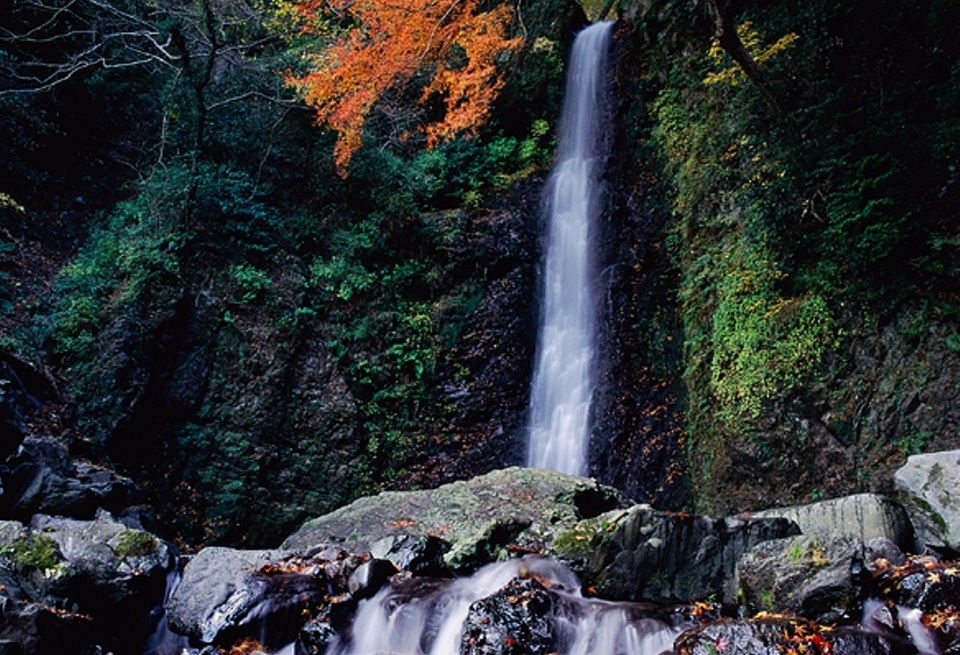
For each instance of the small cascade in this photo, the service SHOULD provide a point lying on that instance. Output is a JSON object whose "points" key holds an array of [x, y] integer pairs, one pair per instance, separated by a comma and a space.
{"points": [[164, 641], [427, 616], [564, 376]]}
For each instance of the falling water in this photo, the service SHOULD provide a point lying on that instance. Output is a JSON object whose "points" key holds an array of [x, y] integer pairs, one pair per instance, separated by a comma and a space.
{"points": [[427, 616], [563, 379]]}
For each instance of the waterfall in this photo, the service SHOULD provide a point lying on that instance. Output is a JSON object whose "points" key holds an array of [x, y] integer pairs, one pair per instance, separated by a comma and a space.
{"points": [[564, 376]]}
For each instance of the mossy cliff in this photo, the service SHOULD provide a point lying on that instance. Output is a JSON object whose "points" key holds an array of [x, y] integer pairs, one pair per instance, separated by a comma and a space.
{"points": [[778, 322]]}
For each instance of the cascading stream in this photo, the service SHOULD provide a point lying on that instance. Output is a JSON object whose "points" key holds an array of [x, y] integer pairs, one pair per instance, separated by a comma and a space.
{"points": [[564, 377], [428, 619]]}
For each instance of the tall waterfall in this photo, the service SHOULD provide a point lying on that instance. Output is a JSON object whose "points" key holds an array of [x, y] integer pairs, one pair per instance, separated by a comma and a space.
{"points": [[564, 376]]}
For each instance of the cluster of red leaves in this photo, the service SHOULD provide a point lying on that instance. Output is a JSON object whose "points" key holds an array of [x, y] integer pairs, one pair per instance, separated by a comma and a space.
{"points": [[392, 41]]}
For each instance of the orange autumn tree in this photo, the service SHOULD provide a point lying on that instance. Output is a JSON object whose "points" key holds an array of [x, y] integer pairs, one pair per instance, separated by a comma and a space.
{"points": [[455, 43]]}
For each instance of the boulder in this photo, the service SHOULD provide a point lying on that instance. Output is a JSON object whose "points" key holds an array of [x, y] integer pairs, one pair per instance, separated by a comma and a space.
{"points": [[42, 478], [778, 635], [816, 577], [418, 555], [642, 554], [108, 577], [369, 577], [929, 486], [28, 628], [483, 519], [516, 620], [225, 594], [865, 516]]}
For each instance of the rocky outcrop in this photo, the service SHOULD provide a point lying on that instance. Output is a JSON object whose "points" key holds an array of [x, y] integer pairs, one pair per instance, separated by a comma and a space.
{"points": [[642, 554], [779, 636], [483, 519], [929, 486], [865, 516], [67, 583], [624, 552], [815, 577], [22, 392], [41, 477]]}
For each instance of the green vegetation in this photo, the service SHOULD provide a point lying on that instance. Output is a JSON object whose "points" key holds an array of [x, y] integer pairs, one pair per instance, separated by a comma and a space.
{"points": [[799, 190], [231, 313], [35, 550], [135, 543]]}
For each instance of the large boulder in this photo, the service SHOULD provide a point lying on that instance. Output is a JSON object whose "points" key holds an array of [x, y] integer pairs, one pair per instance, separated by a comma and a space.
{"points": [[643, 554], [483, 519], [108, 577], [929, 486], [815, 577], [226, 594], [865, 516]]}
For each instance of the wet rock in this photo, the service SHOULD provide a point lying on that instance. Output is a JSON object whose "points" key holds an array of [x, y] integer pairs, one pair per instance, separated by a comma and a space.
{"points": [[107, 577], [314, 638], [416, 554], [227, 593], [513, 621], [28, 628], [483, 519], [643, 554], [921, 596], [369, 577], [866, 516], [781, 636], [882, 550], [929, 485], [815, 577]]}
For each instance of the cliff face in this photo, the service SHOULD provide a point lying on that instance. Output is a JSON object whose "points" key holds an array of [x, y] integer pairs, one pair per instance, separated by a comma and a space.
{"points": [[798, 208], [779, 319]]}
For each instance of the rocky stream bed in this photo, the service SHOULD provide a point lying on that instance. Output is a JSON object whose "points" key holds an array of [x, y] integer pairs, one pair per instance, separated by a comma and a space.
{"points": [[515, 561]]}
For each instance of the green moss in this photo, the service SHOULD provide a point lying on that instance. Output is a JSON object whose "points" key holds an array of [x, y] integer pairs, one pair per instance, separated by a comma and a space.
{"points": [[578, 541], [767, 601], [34, 550], [134, 543], [796, 552]]}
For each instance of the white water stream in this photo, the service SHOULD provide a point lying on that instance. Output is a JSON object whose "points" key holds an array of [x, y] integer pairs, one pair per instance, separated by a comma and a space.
{"points": [[564, 377], [429, 620]]}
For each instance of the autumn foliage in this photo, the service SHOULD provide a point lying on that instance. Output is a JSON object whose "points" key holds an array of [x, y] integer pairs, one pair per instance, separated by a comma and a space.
{"points": [[454, 44]]}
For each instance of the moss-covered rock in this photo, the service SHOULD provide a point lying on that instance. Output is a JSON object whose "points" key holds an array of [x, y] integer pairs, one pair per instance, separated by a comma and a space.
{"points": [[484, 519], [819, 578], [929, 485]]}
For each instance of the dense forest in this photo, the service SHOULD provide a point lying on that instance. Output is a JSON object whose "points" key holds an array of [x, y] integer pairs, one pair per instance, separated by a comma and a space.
{"points": [[265, 256]]}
